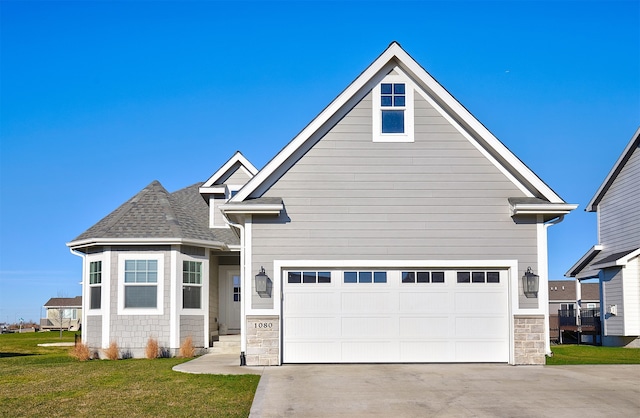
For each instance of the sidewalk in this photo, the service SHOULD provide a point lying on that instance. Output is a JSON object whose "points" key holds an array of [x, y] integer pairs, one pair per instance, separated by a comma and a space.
{"points": [[217, 364]]}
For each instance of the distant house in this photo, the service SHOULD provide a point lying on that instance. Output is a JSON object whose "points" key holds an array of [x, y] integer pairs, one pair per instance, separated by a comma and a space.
{"points": [[65, 313], [567, 298], [393, 228], [615, 260]]}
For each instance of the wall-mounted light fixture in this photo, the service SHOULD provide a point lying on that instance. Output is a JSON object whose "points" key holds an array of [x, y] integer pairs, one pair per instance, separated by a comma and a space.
{"points": [[263, 284], [530, 283]]}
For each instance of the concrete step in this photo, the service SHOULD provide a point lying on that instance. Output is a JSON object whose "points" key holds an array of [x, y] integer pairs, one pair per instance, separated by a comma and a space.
{"points": [[226, 344]]}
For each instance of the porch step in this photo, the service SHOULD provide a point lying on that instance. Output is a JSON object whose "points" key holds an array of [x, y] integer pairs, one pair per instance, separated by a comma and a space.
{"points": [[226, 344]]}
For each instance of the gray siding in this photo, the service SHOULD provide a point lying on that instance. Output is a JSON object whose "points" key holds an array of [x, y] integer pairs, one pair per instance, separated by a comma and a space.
{"points": [[93, 331], [238, 177], [437, 198], [612, 295], [619, 210], [133, 331], [192, 326]]}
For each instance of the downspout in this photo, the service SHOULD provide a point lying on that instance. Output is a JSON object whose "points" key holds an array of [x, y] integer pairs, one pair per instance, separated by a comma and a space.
{"points": [[84, 297], [243, 331], [547, 343]]}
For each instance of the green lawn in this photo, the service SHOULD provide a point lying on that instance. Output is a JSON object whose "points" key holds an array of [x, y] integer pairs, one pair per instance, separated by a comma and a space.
{"points": [[46, 381], [588, 354]]}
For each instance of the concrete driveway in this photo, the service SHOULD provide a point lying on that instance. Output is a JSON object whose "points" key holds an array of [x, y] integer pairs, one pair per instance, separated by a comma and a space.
{"points": [[447, 390]]}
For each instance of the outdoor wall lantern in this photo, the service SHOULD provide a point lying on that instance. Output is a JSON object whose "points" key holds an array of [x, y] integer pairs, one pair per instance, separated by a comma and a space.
{"points": [[530, 283], [263, 284]]}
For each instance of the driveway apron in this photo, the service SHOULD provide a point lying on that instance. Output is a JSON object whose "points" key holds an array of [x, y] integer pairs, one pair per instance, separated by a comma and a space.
{"points": [[447, 390]]}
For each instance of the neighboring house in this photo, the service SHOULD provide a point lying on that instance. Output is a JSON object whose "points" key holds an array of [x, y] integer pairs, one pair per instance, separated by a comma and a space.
{"points": [[615, 260], [65, 313], [393, 228], [565, 296]]}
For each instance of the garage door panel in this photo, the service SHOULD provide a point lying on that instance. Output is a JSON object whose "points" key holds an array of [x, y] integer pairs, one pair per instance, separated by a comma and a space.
{"points": [[312, 327], [421, 327], [313, 352], [481, 351], [369, 351], [479, 328], [368, 327], [417, 351], [477, 302], [311, 302], [424, 302], [363, 302]]}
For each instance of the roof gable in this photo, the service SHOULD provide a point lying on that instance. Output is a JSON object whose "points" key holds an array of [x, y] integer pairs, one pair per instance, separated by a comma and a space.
{"points": [[394, 57], [631, 147], [235, 163]]}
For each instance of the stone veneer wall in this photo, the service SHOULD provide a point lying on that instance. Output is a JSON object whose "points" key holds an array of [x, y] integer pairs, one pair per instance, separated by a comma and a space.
{"points": [[263, 341], [529, 339]]}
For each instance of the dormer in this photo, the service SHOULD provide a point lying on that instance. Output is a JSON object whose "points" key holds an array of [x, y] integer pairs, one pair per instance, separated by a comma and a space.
{"points": [[224, 184]]}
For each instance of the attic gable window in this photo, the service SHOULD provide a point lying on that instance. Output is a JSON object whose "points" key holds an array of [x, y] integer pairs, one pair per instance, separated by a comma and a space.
{"points": [[392, 103], [393, 109]]}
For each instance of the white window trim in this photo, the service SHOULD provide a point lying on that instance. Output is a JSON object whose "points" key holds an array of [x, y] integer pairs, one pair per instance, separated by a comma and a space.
{"points": [[408, 135], [204, 287], [159, 309]]}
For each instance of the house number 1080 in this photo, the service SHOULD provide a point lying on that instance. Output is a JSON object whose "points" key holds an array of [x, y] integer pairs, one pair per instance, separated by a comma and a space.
{"points": [[263, 325]]}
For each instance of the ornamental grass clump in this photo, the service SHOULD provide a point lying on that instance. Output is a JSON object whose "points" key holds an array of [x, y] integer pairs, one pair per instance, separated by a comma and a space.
{"points": [[153, 349], [113, 352], [80, 352], [187, 350]]}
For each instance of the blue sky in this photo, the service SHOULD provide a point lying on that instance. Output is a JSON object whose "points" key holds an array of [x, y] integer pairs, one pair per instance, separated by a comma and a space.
{"points": [[97, 99]]}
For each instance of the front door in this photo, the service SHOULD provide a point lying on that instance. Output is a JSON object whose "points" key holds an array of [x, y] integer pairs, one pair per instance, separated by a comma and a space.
{"points": [[230, 291]]}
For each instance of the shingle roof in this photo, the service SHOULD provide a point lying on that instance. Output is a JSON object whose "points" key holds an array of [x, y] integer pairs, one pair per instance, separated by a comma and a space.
{"points": [[156, 213], [66, 302]]}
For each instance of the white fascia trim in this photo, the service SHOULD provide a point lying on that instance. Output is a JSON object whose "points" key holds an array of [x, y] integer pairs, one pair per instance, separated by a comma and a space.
{"points": [[142, 241], [213, 190], [588, 256], [245, 164], [247, 209], [534, 209]]}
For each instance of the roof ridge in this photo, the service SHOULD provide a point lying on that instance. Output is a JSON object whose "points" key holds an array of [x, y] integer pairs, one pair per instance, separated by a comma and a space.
{"points": [[130, 204]]}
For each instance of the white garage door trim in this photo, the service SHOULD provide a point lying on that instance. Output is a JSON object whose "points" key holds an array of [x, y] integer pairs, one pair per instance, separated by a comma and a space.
{"points": [[333, 322]]}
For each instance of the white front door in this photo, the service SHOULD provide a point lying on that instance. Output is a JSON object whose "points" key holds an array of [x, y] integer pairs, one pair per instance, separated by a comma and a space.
{"points": [[229, 298]]}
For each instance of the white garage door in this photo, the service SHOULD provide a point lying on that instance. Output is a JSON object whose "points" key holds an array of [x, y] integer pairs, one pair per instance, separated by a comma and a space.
{"points": [[362, 316]]}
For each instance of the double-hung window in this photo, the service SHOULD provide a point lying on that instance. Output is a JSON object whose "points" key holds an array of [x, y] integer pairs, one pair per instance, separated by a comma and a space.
{"points": [[141, 284], [95, 284], [191, 284], [392, 105], [393, 110]]}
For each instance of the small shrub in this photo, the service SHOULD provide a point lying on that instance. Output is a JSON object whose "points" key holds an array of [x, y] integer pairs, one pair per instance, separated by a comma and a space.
{"points": [[80, 352], [187, 350], [113, 352], [152, 350], [126, 354]]}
